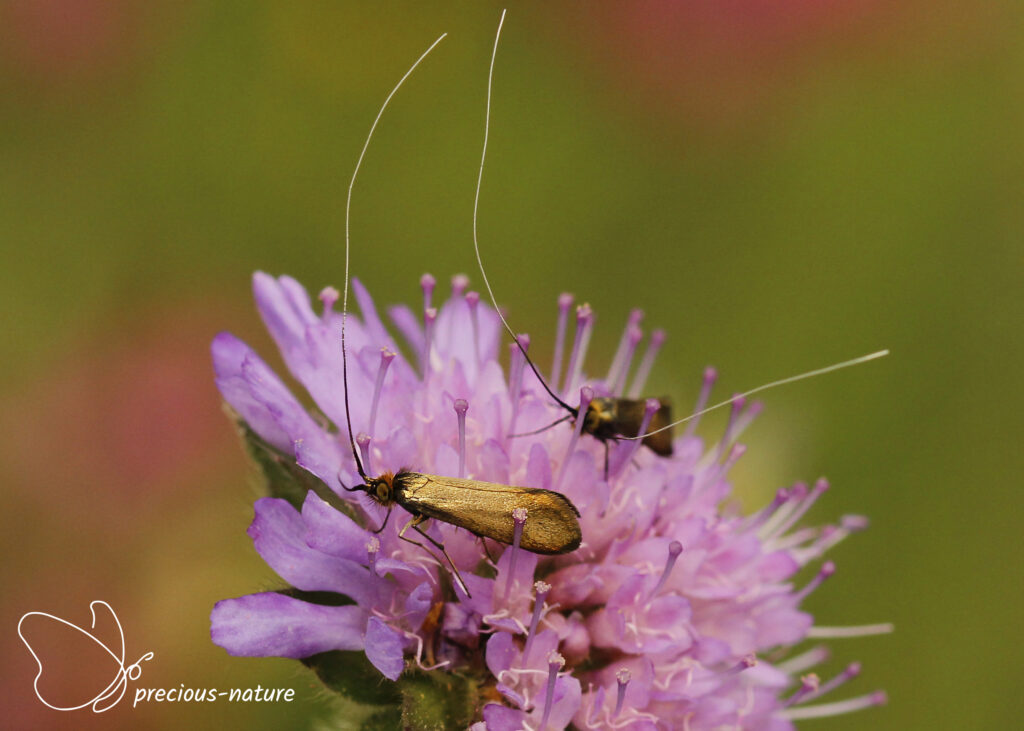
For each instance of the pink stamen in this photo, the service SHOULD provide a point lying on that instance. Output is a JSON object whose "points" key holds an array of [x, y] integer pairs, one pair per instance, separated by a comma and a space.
{"points": [[640, 379], [651, 407], [541, 588], [747, 417], [797, 493], [805, 660], [386, 356], [372, 549], [473, 300], [802, 507], [584, 324], [586, 396], [808, 687], [518, 520], [459, 284], [328, 295], [737, 451], [461, 407], [517, 366], [555, 663], [429, 320], [710, 376], [852, 671], [363, 440], [622, 678], [824, 710], [758, 518], [427, 283], [674, 549], [564, 303], [747, 662], [863, 630], [635, 318], [635, 335], [827, 569], [738, 402]]}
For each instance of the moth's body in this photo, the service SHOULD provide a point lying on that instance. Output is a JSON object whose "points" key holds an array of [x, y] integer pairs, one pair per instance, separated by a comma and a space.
{"points": [[610, 418], [484, 508]]}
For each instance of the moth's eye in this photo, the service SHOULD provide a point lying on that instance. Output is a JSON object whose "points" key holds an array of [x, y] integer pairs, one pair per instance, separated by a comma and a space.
{"points": [[382, 490]]}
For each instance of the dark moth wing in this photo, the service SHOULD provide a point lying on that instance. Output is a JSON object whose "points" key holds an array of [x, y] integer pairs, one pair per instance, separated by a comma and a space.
{"points": [[629, 415], [485, 508]]}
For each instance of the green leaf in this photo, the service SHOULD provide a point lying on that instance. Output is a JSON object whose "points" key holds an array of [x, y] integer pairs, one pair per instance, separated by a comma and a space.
{"points": [[437, 701], [351, 674], [280, 475], [386, 720]]}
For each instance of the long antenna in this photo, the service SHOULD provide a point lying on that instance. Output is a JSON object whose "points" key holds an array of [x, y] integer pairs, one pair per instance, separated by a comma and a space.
{"points": [[476, 208], [765, 387], [348, 209]]}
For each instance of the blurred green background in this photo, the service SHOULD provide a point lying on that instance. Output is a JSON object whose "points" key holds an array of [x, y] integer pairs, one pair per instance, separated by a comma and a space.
{"points": [[779, 186]]}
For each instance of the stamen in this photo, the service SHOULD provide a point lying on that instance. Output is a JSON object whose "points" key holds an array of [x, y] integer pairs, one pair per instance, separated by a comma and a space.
{"points": [[584, 323], [635, 318], [386, 356], [586, 396], [640, 379], [429, 319], [802, 507], [737, 451], [827, 569], [674, 549], [363, 440], [651, 407], [808, 687], [555, 663], [797, 493], [852, 671], [622, 677], [328, 295], [737, 407], [372, 549], [745, 663], [542, 590], [427, 283], [878, 698], [864, 630], [517, 365], [473, 299], [710, 376], [805, 660], [635, 335], [518, 520], [564, 303], [758, 518], [459, 284], [753, 411], [461, 407]]}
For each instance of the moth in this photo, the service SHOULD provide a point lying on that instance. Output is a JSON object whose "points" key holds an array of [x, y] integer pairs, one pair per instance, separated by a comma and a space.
{"points": [[486, 509], [606, 418]]}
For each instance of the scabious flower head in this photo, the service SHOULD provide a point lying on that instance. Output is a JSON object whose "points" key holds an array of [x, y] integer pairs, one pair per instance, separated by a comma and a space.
{"points": [[674, 612]]}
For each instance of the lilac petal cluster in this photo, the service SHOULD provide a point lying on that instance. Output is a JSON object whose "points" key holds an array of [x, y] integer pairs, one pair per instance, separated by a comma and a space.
{"points": [[663, 618]]}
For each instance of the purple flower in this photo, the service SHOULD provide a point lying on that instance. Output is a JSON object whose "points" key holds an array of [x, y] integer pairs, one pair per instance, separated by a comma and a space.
{"points": [[674, 612]]}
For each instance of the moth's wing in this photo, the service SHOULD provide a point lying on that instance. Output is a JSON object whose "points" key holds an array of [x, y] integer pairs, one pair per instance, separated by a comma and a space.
{"points": [[74, 667], [630, 415], [485, 508]]}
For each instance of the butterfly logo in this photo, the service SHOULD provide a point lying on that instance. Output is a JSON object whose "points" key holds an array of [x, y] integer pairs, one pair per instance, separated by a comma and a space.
{"points": [[109, 696]]}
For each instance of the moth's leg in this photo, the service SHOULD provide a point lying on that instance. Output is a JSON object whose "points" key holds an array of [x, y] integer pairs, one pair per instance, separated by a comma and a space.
{"points": [[483, 542], [607, 448], [414, 523], [384, 524]]}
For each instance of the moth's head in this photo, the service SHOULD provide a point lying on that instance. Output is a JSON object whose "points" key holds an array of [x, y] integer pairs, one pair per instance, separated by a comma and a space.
{"points": [[599, 415], [381, 489]]}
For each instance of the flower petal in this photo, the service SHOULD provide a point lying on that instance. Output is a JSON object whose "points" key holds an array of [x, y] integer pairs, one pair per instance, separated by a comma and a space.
{"points": [[385, 648], [275, 625]]}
